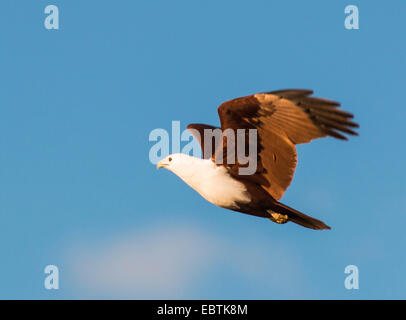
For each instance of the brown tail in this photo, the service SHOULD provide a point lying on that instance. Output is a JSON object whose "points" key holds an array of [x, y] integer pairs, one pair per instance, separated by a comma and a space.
{"points": [[300, 218]]}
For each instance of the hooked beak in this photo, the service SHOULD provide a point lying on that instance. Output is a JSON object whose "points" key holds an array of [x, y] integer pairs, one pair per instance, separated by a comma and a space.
{"points": [[161, 164]]}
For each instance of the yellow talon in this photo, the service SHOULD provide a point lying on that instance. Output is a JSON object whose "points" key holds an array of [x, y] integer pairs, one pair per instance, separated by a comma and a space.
{"points": [[279, 218]]}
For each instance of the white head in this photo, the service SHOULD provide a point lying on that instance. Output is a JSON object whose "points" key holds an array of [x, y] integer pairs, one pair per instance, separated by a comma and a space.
{"points": [[180, 164]]}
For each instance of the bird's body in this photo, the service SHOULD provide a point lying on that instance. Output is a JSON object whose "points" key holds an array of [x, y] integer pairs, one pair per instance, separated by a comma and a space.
{"points": [[281, 120]]}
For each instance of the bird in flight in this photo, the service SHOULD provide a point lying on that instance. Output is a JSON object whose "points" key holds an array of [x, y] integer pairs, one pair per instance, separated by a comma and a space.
{"points": [[281, 119]]}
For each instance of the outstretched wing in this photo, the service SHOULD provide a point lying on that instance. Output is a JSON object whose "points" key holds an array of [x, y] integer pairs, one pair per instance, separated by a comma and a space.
{"points": [[282, 119]]}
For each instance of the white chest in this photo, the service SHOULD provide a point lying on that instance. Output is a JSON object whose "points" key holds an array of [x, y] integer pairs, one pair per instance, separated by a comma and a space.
{"points": [[215, 184]]}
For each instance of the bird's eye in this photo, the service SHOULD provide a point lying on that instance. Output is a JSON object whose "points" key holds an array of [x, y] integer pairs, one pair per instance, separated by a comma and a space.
{"points": [[170, 159]]}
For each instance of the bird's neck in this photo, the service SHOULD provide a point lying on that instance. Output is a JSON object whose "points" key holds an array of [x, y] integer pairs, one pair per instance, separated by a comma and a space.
{"points": [[194, 171], [213, 183]]}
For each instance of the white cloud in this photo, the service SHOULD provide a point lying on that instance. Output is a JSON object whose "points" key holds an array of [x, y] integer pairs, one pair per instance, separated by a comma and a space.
{"points": [[173, 261], [158, 263]]}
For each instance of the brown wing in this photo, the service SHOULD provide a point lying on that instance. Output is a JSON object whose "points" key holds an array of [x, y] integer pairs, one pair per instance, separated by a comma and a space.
{"points": [[282, 119]]}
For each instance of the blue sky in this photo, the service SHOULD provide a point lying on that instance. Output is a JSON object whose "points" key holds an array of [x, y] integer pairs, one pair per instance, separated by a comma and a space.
{"points": [[77, 189]]}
